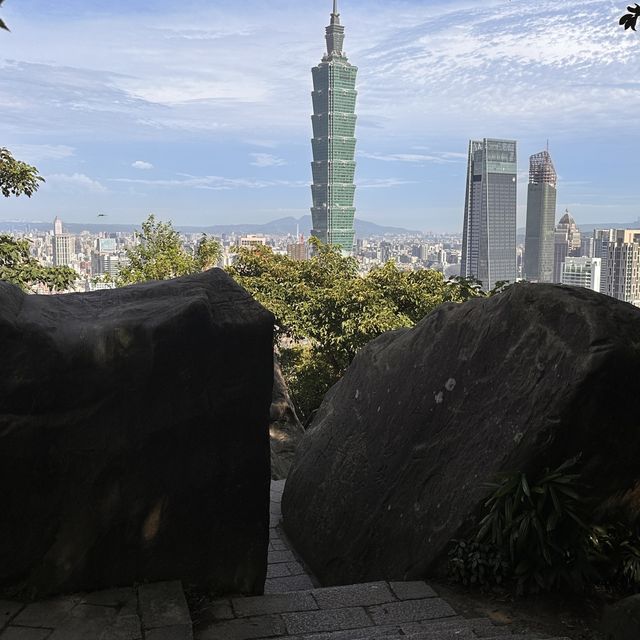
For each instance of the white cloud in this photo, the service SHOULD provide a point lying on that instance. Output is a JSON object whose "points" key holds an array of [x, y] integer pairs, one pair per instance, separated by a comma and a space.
{"points": [[74, 182], [142, 165], [266, 160]]}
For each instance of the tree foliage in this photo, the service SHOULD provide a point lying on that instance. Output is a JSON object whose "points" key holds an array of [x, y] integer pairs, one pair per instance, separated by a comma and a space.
{"points": [[17, 178], [160, 255], [326, 312], [18, 267], [630, 20], [16, 264], [2, 22]]}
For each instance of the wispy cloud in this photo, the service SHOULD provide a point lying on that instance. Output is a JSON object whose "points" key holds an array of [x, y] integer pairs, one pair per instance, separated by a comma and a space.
{"points": [[438, 158], [38, 152], [383, 183], [266, 160], [74, 182], [214, 183]]}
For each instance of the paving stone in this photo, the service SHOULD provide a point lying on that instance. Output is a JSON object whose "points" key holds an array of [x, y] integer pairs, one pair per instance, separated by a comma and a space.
{"points": [[117, 598], [280, 556], [356, 595], [221, 610], [279, 545], [163, 605], [125, 627], [412, 590], [278, 570], [278, 486], [274, 521], [276, 603], [296, 569], [8, 610], [86, 622], [443, 634], [317, 621], [244, 629], [411, 611], [387, 632], [49, 613], [442, 625], [287, 584], [176, 632], [25, 633]]}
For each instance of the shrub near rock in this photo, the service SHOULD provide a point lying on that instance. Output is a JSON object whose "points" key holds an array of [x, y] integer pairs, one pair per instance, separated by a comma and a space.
{"points": [[394, 464]]}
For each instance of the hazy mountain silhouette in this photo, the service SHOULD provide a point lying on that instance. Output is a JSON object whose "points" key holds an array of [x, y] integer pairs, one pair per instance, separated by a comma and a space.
{"points": [[280, 227]]}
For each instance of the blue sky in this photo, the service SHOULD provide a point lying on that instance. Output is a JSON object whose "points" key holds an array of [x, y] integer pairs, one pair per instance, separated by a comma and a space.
{"points": [[199, 111]]}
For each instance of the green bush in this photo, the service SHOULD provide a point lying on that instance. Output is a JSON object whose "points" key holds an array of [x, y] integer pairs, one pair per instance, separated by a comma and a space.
{"points": [[475, 564], [536, 531], [539, 523]]}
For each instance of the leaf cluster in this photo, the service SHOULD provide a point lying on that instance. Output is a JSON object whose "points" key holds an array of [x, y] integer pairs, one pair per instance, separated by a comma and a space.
{"points": [[630, 20], [17, 178], [326, 312], [537, 531], [477, 564], [160, 255], [2, 22], [540, 523], [18, 267]]}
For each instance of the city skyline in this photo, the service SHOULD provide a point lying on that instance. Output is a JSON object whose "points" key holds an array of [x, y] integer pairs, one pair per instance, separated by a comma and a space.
{"points": [[210, 123]]}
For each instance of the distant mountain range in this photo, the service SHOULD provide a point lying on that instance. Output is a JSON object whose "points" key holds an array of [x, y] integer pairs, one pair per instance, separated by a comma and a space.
{"points": [[280, 227]]}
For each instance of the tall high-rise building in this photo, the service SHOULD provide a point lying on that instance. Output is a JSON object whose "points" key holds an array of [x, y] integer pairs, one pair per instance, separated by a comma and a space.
{"points": [[567, 243], [63, 245], [623, 266], [541, 219], [489, 235], [601, 240], [334, 143]]}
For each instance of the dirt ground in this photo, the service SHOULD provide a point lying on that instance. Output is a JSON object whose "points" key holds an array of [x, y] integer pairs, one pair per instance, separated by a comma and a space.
{"points": [[549, 615]]}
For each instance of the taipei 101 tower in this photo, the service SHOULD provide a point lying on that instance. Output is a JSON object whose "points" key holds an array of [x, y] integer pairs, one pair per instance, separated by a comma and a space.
{"points": [[334, 143]]}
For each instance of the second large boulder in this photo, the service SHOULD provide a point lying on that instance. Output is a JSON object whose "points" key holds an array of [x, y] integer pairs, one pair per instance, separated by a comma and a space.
{"points": [[393, 465]]}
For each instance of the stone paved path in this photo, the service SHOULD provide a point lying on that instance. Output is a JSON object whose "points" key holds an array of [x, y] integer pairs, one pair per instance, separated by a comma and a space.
{"points": [[150, 612], [294, 608]]}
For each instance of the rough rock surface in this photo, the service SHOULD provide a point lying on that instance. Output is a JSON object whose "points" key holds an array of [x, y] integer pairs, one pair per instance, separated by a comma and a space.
{"points": [[133, 437], [285, 429], [391, 469]]}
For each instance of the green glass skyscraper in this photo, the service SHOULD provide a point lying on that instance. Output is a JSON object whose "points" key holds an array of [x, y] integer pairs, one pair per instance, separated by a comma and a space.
{"points": [[334, 143]]}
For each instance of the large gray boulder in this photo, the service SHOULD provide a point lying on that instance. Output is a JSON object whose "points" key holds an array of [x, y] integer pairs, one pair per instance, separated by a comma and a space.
{"points": [[134, 440], [392, 467]]}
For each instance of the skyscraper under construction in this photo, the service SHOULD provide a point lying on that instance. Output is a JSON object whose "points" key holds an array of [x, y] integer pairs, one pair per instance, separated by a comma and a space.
{"points": [[334, 123], [541, 219]]}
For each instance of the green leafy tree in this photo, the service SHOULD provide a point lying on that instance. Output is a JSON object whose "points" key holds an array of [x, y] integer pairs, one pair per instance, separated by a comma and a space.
{"points": [[326, 312], [18, 267], [2, 23], [160, 255], [630, 20], [17, 178]]}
